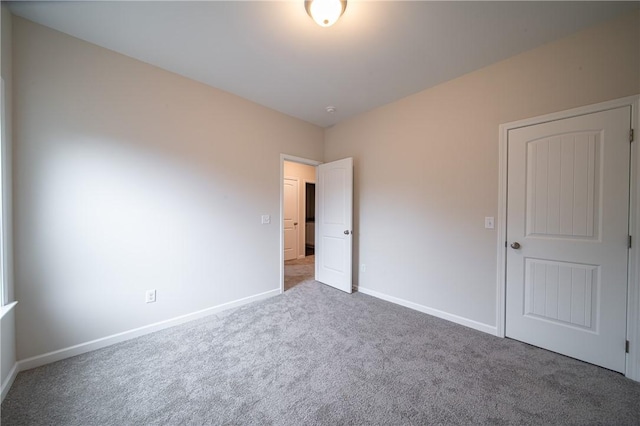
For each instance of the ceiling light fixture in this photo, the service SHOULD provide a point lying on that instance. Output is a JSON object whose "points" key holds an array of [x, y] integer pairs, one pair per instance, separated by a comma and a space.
{"points": [[325, 12]]}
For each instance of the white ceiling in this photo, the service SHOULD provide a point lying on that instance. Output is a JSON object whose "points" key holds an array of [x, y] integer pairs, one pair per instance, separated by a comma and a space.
{"points": [[272, 53]]}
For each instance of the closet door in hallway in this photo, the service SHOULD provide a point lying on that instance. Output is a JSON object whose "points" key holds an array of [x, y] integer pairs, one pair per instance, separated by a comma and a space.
{"points": [[291, 222]]}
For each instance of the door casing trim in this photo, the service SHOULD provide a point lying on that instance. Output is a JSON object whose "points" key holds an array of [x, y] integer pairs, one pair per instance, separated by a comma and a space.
{"points": [[632, 370]]}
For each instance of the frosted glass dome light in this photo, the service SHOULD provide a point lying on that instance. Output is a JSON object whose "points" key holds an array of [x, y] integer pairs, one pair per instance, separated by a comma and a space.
{"points": [[325, 12]]}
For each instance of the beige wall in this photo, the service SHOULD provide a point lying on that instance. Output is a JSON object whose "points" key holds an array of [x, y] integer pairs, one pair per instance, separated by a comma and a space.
{"points": [[426, 167], [131, 178], [301, 171], [7, 147], [304, 173], [7, 323]]}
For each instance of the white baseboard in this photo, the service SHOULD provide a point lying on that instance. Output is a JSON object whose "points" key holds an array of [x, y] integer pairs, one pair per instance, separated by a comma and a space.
{"points": [[39, 360], [489, 329], [6, 385]]}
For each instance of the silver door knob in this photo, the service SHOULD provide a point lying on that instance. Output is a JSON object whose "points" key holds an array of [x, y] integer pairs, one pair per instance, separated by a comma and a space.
{"points": [[346, 232], [515, 245]]}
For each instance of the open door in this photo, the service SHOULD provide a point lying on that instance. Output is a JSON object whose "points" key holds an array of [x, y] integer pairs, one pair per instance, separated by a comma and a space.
{"points": [[334, 223]]}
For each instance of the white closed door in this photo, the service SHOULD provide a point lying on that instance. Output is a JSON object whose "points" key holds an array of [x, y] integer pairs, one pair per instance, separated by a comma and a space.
{"points": [[567, 232], [335, 224], [290, 217]]}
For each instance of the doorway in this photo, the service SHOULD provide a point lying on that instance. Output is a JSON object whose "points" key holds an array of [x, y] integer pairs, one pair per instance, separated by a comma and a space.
{"points": [[310, 219], [299, 181], [332, 262]]}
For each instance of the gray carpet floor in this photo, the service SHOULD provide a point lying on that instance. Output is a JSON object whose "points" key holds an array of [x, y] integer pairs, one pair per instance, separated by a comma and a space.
{"points": [[315, 355], [298, 271]]}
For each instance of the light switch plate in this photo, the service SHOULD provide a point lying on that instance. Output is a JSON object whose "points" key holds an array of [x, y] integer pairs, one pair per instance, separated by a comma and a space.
{"points": [[488, 223], [266, 219]]}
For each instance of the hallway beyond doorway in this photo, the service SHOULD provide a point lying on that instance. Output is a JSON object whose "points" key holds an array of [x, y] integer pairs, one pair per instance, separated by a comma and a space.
{"points": [[298, 271]]}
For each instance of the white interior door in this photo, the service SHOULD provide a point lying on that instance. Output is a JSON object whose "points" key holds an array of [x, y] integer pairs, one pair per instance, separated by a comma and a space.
{"points": [[567, 231], [334, 192], [290, 217]]}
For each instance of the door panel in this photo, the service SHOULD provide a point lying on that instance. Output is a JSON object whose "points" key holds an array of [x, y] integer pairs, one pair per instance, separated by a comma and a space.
{"points": [[568, 204], [562, 193], [561, 292], [334, 221], [290, 218]]}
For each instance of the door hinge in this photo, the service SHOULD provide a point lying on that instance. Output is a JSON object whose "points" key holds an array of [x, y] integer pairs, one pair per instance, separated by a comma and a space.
{"points": [[629, 241], [626, 346], [631, 135]]}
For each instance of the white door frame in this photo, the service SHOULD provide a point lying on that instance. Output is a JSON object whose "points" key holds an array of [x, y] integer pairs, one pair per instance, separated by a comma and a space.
{"points": [[294, 159], [633, 295]]}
